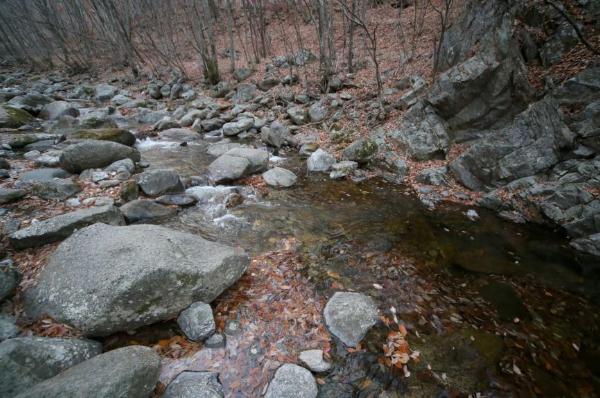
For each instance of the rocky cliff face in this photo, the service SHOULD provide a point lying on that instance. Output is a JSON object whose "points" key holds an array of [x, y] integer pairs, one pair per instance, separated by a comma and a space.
{"points": [[538, 147]]}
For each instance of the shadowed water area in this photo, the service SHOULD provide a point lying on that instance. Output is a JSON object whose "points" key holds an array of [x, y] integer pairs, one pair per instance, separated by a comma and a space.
{"points": [[490, 306]]}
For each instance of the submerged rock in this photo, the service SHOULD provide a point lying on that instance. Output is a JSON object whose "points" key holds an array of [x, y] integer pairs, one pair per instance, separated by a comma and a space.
{"points": [[130, 372], [349, 316], [105, 279], [292, 381], [26, 361], [62, 226], [190, 384]]}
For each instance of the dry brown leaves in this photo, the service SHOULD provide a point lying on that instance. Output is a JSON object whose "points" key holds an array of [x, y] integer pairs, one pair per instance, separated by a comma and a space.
{"points": [[47, 327], [175, 347]]}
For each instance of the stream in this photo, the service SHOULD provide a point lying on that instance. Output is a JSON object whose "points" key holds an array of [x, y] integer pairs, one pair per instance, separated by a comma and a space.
{"points": [[491, 307]]}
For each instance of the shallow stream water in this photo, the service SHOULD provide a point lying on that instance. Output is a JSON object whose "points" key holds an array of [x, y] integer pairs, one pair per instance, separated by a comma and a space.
{"points": [[491, 307]]}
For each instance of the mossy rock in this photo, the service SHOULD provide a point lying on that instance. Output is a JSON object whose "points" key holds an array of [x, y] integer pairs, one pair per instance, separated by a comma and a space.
{"points": [[361, 151], [117, 135], [13, 117]]}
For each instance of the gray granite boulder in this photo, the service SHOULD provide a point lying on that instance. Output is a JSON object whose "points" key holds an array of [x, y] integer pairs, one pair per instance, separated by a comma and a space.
{"points": [[130, 372], [349, 316], [279, 177], [105, 279], [160, 181], [292, 381], [92, 154], [26, 361]]}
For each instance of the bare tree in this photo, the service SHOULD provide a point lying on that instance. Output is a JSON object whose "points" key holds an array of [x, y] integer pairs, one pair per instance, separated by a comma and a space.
{"points": [[372, 37]]}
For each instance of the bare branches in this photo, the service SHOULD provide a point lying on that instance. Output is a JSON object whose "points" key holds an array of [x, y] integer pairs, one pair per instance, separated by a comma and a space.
{"points": [[574, 24]]}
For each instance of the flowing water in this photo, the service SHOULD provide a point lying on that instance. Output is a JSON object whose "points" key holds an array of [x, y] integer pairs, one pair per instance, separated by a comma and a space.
{"points": [[491, 307]]}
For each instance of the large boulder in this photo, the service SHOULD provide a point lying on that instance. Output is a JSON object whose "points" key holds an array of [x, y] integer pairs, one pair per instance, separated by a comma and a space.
{"points": [[484, 77], [160, 181], [105, 279], [190, 384], [62, 226], [532, 143], [130, 372], [292, 381], [93, 154], [120, 136], [349, 316], [423, 133], [26, 361], [13, 117]]}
